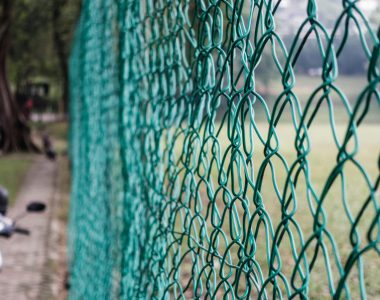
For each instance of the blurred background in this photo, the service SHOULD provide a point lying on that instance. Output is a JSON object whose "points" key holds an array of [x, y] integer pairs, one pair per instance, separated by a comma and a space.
{"points": [[35, 40]]}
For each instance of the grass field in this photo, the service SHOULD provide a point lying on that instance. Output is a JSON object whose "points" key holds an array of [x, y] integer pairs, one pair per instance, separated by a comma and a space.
{"points": [[350, 86], [12, 171], [14, 166], [57, 131], [343, 202], [219, 215]]}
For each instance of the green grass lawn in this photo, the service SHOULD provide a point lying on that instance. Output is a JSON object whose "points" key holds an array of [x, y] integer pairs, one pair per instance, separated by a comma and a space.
{"points": [[58, 131], [304, 85], [350, 86], [341, 206], [13, 168], [352, 192]]}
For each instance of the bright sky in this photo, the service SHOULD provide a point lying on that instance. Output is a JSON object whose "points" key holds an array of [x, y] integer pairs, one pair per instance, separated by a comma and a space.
{"points": [[363, 4], [368, 4]]}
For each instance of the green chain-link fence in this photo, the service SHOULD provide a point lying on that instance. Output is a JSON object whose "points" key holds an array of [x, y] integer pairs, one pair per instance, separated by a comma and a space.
{"points": [[208, 164]]}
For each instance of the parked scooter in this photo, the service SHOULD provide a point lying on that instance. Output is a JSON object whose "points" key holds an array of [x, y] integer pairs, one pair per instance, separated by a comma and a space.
{"points": [[9, 226]]}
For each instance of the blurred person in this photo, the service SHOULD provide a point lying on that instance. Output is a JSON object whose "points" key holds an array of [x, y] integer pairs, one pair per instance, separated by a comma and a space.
{"points": [[3, 200], [48, 146]]}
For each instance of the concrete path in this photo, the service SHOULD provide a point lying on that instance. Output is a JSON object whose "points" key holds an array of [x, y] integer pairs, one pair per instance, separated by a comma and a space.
{"points": [[25, 257]]}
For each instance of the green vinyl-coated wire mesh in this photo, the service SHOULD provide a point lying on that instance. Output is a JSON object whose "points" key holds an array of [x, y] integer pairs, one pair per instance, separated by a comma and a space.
{"points": [[206, 164]]}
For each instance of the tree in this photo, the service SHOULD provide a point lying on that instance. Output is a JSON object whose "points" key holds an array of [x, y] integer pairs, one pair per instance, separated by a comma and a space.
{"points": [[14, 131], [41, 40], [34, 43], [64, 14]]}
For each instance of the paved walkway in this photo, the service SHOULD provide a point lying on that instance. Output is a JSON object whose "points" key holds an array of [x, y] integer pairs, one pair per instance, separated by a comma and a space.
{"points": [[25, 257]]}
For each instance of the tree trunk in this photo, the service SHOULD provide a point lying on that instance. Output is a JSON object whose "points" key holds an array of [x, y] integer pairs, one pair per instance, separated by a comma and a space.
{"points": [[59, 45], [14, 131]]}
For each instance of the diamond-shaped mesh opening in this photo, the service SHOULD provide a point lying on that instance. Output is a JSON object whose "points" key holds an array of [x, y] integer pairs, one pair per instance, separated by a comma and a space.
{"points": [[221, 150]]}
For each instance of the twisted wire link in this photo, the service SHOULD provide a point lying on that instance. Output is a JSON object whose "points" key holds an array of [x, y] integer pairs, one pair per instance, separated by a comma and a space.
{"points": [[192, 181]]}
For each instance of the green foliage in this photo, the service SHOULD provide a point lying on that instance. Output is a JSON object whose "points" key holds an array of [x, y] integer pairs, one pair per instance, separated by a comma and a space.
{"points": [[32, 55], [31, 48], [69, 12]]}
